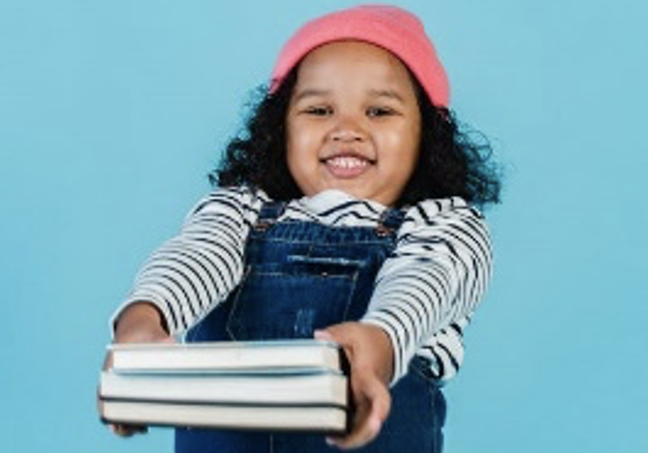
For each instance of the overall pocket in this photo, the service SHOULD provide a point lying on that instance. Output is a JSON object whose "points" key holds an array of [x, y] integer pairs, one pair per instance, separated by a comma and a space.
{"points": [[282, 301]]}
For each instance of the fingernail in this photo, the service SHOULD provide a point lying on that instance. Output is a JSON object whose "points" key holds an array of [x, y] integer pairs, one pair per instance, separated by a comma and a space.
{"points": [[322, 335]]}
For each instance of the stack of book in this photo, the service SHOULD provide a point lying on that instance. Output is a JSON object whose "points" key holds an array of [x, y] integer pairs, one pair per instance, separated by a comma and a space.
{"points": [[298, 385]]}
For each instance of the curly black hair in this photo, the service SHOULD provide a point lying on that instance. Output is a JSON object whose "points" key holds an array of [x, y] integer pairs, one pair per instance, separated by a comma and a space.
{"points": [[452, 161]]}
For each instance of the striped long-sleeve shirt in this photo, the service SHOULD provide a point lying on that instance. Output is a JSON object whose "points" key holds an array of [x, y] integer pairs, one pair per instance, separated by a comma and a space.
{"points": [[424, 293]]}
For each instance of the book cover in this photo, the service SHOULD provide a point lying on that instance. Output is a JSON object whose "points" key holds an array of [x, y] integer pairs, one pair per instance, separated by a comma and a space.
{"points": [[304, 356], [326, 388], [276, 418]]}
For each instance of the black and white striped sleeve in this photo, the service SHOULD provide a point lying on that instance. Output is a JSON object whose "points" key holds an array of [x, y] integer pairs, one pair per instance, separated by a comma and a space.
{"points": [[197, 269], [435, 278]]}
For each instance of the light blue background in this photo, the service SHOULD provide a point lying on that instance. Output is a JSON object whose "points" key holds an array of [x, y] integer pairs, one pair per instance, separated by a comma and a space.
{"points": [[112, 112]]}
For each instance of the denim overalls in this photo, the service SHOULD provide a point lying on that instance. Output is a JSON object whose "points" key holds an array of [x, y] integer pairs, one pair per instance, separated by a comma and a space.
{"points": [[303, 276]]}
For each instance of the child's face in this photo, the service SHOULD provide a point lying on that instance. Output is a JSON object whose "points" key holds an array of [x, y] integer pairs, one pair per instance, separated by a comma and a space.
{"points": [[353, 123]]}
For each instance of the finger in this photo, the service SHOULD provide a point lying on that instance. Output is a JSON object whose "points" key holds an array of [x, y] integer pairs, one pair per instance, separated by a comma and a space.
{"points": [[362, 434], [108, 360], [373, 411], [323, 335], [120, 430], [127, 430], [341, 334]]}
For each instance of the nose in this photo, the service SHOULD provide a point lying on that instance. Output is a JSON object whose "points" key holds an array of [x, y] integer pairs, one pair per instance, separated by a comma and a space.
{"points": [[347, 129]]}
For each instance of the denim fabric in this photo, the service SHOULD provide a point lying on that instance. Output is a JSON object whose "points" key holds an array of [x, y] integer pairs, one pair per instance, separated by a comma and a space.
{"points": [[303, 276]]}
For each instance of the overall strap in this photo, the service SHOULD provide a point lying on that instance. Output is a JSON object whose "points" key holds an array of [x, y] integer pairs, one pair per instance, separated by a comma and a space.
{"points": [[390, 221], [269, 213]]}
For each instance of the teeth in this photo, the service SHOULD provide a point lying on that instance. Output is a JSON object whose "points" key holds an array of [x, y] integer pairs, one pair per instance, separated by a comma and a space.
{"points": [[347, 162]]}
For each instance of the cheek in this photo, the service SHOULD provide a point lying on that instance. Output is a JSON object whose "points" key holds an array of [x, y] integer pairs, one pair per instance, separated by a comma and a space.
{"points": [[294, 156], [292, 146], [301, 149], [404, 155], [412, 143], [404, 145], [299, 160]]}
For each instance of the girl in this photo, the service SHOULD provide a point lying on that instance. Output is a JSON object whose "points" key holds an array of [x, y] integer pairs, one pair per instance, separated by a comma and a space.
{"points": [[343, 212]]}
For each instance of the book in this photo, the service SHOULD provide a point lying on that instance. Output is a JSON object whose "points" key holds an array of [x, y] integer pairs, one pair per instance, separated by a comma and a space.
{"points": [[298, 385], [323, 419], [326, 388], [304, 356]]}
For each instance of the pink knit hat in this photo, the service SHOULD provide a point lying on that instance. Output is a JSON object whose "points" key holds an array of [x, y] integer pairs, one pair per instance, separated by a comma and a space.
{"points": [[390, 27]]}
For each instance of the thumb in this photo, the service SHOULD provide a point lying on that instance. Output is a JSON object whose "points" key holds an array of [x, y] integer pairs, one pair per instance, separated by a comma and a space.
{"points": [[342, 333], [323, 335]]}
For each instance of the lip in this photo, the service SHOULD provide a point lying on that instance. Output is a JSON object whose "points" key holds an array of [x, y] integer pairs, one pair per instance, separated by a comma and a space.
{"points": [[347, 164]]}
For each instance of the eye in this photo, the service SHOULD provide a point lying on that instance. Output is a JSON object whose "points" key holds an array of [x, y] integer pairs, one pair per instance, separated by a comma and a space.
{"points": [[318, 110], [376, 112]]}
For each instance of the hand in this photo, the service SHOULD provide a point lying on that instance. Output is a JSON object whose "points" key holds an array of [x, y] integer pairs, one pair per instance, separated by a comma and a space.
{"points": [[370, 355], [139, 323]]}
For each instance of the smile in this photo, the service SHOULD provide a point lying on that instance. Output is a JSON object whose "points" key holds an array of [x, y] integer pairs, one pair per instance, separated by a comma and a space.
{"points": [[346, 166]]}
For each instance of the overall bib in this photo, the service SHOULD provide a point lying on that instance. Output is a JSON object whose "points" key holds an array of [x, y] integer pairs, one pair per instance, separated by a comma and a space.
{"points": [[300, 277]]}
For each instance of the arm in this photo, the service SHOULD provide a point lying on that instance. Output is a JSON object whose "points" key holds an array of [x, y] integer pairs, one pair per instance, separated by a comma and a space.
{"points": [[435, 278], [198, 268], [187, 275]]}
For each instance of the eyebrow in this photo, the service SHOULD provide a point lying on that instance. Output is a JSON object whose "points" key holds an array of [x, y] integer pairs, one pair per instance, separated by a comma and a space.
{"points": [[313, 92], [387, 94]]}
